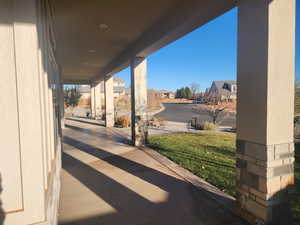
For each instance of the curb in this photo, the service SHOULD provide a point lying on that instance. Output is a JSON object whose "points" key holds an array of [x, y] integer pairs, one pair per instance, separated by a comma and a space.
{"points": [[189, 176], [226, 201], [162, 108]]}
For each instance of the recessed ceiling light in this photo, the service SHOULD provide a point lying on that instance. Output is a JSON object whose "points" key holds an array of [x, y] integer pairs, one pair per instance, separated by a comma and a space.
{"points": [[103, 26]]}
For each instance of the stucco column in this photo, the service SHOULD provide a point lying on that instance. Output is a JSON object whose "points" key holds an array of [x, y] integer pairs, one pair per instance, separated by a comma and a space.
{"points": [[96, 101], [139, 100], [62, 105], [109, 102], [93, 101], [265, 148]]}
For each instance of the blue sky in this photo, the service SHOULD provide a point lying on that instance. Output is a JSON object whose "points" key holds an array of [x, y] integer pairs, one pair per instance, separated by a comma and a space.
{"points": [[206, 54]]}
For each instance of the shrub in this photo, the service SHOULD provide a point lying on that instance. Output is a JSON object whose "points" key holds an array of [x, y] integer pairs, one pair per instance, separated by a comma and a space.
{"points": [[122, 105], [161, 121], [156, 122], [206, 126], [122, 121]]}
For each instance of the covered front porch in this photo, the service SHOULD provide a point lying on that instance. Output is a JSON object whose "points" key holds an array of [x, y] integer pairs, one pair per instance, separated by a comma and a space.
{"points": [[107, 181], [50, 43]]}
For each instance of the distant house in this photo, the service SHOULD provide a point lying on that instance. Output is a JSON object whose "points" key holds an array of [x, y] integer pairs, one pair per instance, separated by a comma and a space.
{"points": [[118, 86], [127, 91], [165, 94], [85, 91], [85, 99], [223, 90]]}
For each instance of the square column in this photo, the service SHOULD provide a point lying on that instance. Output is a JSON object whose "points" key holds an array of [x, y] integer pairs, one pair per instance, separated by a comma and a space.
{"points": [[109, 102], [265, 110], [93, 102], [62, 105], [139, 101], [96, 106]]}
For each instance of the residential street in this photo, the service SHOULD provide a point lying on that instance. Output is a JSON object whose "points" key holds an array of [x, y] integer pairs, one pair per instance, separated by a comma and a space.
{"points": [[183, 112]]}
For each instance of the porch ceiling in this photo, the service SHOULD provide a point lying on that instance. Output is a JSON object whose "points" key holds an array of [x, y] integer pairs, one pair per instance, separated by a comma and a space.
{"points": [[97, 38]]}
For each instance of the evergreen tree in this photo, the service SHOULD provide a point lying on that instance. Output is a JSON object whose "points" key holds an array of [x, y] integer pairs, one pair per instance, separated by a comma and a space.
{"points": [[72, 96], [177, 93], [188, 93], [182, 93]]}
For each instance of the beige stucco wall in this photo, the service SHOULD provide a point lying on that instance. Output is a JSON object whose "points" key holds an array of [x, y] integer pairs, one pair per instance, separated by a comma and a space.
{"points": [[30, 119]]}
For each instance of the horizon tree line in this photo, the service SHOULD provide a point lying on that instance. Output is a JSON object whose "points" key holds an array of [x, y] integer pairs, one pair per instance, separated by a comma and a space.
{"points": [[188, 92], [184, 92]]}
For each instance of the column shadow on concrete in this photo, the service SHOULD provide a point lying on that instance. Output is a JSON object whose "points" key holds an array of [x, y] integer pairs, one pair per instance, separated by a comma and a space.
{"points": [[2, 215], [116, 138], [85, 121], [129, 166], [185, 205], [98, 183]]}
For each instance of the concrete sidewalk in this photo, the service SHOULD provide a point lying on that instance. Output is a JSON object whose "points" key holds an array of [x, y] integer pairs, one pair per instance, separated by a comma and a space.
{"points": [[169, 127], [107, 181]]}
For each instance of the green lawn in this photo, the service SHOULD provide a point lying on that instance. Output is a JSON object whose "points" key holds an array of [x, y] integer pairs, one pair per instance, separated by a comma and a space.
{"points": [[211, 155]]}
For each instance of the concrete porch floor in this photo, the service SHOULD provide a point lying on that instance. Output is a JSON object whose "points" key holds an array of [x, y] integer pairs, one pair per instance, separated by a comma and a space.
{"points": [[105, 181]]}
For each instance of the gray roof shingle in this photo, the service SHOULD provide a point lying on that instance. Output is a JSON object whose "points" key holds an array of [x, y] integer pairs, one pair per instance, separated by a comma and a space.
{"points": [[220, 86]]}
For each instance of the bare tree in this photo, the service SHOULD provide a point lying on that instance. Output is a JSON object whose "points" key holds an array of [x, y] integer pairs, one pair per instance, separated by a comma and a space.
{"points": [[154, 101], [122, 106], [194, 89], [216, 110]]}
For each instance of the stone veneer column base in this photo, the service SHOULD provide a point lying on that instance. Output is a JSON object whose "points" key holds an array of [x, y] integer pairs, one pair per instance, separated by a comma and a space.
{"points": [[140, 131], [264, 177]]}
